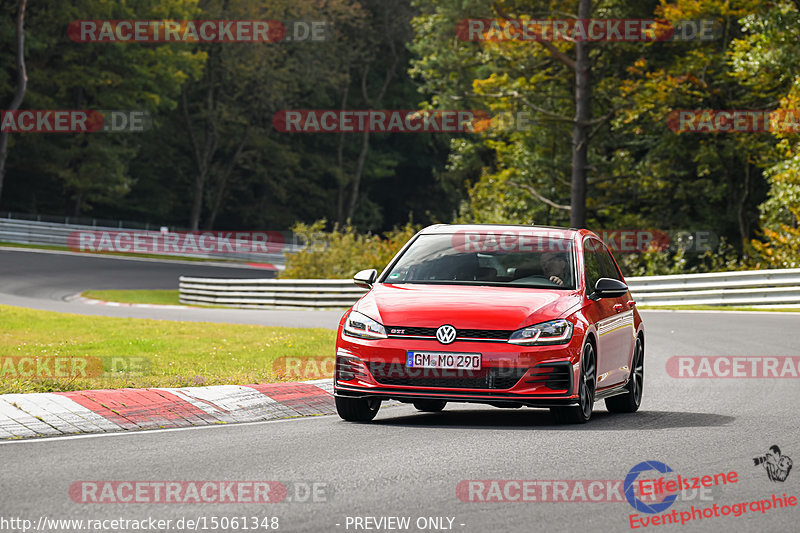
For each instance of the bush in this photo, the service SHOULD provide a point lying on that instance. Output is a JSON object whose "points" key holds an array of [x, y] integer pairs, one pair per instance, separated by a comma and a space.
{"points": [[340, 253], [781, 248], [656, 262]]}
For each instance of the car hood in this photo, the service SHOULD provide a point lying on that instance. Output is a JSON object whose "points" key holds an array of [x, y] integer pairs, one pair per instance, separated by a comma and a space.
{"points": [[464, 306]]}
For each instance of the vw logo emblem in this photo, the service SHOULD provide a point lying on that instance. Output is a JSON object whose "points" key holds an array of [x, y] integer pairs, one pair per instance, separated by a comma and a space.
{"points": [[446, 334]]}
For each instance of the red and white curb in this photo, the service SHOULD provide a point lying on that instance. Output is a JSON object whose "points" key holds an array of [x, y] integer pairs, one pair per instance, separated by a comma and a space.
{"points": [[104, 411]]}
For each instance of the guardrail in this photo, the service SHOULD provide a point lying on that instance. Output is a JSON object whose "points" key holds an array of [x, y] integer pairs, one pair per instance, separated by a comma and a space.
{"points": [[56, 234], [761, 288], [269, 293], [82, 221], [752, 288]]}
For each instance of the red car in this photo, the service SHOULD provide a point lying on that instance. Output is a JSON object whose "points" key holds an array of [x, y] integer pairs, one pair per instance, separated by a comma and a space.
{"points": [[508, 316]]}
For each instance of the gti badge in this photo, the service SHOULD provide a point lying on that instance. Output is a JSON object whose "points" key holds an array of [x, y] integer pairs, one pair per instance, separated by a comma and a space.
{"points": [[446, 334]]}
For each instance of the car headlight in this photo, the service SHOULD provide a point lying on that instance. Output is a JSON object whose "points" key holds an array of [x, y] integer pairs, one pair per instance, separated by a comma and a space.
{"points": [[553, 332], [363, 327]]}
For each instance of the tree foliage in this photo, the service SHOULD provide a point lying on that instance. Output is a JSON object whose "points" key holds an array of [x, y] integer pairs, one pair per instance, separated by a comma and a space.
{"points": [[214, 160], [767, 58]]}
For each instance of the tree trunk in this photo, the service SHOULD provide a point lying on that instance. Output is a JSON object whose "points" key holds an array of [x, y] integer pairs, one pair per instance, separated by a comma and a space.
{"points": [[340, 179], [580, 130], [76, 207], [203, 155], [744, 230], [373, 104], [362, 157], [223, 182], [197, 200], [22, 84]]}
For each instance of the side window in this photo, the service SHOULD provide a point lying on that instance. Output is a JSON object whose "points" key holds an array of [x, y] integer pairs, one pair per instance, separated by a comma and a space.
{"points": [[591, 264], [607, 263]]}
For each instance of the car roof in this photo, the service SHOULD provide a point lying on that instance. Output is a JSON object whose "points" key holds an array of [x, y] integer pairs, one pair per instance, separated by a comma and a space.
{"points": [[494, 228]]}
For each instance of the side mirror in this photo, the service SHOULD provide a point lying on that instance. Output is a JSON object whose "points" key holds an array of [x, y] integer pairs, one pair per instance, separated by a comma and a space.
{"points": [[366, 278], [608, 288]]}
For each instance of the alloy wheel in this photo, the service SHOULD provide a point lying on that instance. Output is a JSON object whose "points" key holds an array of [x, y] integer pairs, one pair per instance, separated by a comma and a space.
{"points": [[588, 381]]}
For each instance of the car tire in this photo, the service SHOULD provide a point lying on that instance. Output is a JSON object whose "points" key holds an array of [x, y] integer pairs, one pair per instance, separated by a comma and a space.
{"points": [[357, 409], [631, 400], [430, 406], [581, 413]]}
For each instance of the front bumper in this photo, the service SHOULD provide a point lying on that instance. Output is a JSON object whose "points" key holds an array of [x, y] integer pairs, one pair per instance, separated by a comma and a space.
{"points": [[511, 375]]}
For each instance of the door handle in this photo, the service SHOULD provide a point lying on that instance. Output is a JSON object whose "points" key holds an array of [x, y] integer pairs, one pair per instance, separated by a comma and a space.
{"points": [[618, 307]]}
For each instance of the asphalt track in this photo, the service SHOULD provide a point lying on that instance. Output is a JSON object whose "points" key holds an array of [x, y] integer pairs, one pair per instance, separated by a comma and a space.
{"points": [[408, 464], [47, 280]]}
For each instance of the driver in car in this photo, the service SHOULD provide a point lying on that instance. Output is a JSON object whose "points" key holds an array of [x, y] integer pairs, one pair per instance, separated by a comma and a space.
{"points": [[554, 266]]}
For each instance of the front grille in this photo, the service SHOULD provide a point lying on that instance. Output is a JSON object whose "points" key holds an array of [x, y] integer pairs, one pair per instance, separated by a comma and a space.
{"points": [[461, 334], [484, 334], [555, 376], [487, 378]]}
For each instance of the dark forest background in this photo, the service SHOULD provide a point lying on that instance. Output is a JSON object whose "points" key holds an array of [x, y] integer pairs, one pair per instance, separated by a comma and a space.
{"points": [[213, 160]]}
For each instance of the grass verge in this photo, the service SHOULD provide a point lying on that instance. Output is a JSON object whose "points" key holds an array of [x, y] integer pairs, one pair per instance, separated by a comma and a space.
{"points": [[160, 297], [146, 353]]}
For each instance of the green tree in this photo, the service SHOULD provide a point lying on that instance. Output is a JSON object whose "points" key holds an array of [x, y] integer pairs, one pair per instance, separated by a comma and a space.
{"points": [[640, 173], [767, 59], [112, 76], [22, 83]]}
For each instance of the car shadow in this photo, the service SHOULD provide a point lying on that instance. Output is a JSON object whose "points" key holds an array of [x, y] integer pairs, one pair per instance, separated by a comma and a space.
{"points": [[541, 418]]}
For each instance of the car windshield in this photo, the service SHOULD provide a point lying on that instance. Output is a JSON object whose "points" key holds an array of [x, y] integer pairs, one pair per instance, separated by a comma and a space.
{"points": [[529, 260]]}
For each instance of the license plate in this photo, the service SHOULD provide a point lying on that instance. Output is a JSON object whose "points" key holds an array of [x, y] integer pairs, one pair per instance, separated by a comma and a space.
{"points": [[444, 360]]}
